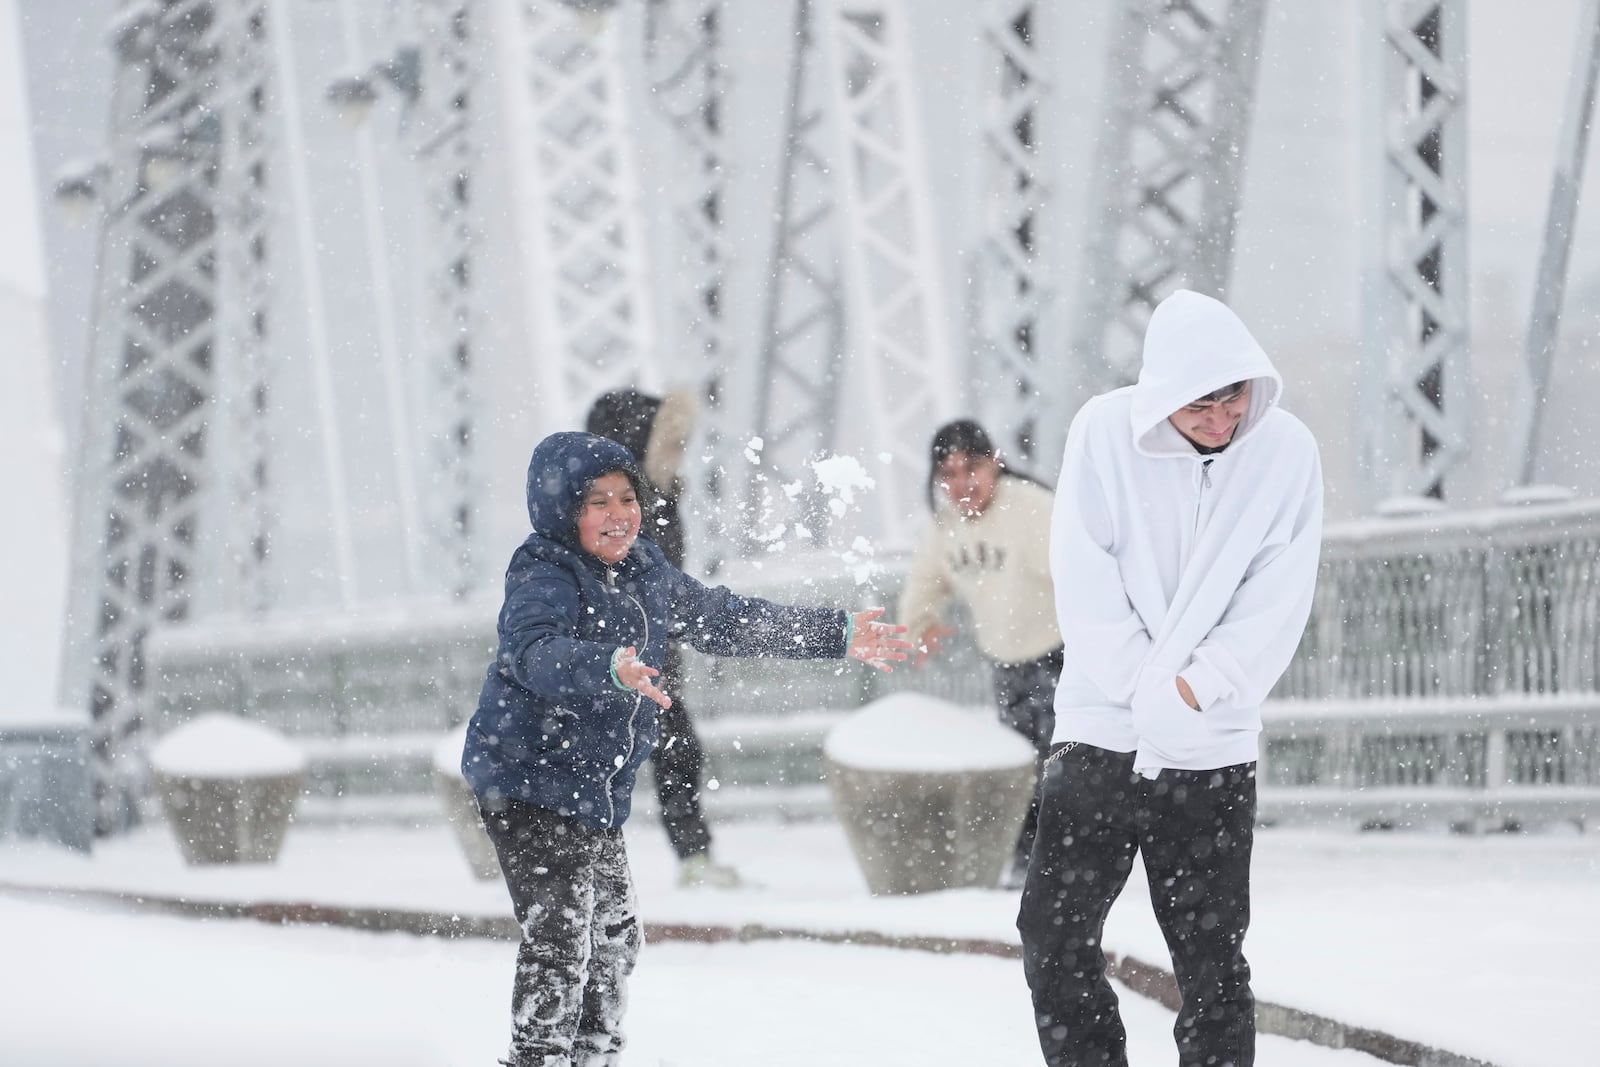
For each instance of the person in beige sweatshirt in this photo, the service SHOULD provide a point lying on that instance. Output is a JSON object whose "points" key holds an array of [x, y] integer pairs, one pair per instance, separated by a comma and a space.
{"points": [[989, 550]]}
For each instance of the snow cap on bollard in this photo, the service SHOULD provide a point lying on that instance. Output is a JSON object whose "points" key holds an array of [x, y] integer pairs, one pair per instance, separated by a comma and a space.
{"points": [[931, 795], [220, 745], [921, 733], [228, 787], [460, 805]]}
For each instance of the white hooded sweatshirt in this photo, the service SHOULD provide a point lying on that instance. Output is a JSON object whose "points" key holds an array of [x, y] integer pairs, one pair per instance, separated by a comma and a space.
{"points": [[1168, 562]]}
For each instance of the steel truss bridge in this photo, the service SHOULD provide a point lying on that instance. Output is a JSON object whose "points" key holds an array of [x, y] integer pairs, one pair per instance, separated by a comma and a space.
{"points": [[606, 124]]}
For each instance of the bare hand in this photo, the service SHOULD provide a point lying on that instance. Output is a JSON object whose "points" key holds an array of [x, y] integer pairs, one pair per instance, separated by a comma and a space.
{"points": [[876, 643], [1187, 694], [635, 674], [931, 642]]}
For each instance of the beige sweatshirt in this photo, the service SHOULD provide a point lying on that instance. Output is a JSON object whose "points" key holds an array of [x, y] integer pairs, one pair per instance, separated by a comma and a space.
{"points": [[998, 565]]}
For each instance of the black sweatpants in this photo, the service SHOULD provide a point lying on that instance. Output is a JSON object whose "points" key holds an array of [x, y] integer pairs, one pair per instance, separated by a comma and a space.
{"points": [[679, 764], [1194, 830], [1025, 694], [572, 894]]}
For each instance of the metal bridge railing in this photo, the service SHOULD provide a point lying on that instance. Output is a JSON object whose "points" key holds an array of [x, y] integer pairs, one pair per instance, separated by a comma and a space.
{"points": [[1468, 604], [1448, 674], [1449, 671]]}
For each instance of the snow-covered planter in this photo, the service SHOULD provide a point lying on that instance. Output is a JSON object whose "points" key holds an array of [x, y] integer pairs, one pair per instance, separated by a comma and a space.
{"points": [[228, 788], [461, 807], [931, 795]]}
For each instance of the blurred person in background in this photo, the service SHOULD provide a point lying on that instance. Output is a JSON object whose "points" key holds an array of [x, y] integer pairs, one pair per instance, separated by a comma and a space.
{"points": [[988, 549], [656, 430]]}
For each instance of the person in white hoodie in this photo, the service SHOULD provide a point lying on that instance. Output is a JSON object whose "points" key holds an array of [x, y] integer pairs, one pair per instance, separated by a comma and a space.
{"points": [[1184, 544]]}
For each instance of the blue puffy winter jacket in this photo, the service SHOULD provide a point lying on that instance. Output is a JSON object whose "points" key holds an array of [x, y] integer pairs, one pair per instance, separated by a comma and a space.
{"points": [[553, 728]]}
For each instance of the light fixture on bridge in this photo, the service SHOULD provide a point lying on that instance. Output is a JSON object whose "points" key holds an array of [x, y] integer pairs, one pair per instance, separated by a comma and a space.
{"points": [[78, 187], [591, 15], [354, 95], [168, 150]]}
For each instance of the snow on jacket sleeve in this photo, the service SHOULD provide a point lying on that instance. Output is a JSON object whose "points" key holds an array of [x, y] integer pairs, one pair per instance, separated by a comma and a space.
{"points": [[927, 588], [536, 643], [1250, 647], [1102, 632], [719, 622]]}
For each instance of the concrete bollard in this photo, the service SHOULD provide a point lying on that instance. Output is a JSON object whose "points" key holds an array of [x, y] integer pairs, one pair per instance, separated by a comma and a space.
{"points": [[461, 806], [228, 788], [931, 795], [46, 784]]}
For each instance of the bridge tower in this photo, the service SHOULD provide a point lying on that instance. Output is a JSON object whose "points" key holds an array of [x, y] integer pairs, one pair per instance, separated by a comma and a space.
{"points": [[177, 379], [1168, 173], [1416, 388]]}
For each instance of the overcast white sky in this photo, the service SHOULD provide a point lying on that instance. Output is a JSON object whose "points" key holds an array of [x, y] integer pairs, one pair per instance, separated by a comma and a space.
{"points": [[32, 550], [21, 254]]}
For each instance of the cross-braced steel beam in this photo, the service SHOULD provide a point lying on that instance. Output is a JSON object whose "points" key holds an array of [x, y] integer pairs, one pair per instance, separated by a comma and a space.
{"points": [[686, 78], [1017, 394], [780, 412], [1561, 218], [1415, 301], [1169, 172], [593, 300], [683, 40], [183, 228], [447, 154], [895, 302], [242, 456]]}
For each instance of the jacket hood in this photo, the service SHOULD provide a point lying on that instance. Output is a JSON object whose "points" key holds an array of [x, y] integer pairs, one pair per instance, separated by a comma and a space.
{"points": [[1196, 345], [563, 467]]}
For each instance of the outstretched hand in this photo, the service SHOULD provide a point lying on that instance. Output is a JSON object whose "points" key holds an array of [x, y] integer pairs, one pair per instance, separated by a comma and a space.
{"points": [[634, 674], [877, 643]]}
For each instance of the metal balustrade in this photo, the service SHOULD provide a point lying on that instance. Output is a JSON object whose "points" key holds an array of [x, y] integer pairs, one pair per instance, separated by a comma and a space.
{"points": [[1448, 673]]}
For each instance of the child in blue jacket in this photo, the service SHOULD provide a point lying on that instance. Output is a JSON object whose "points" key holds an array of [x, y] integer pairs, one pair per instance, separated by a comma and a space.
{"points": [[567, 715]]}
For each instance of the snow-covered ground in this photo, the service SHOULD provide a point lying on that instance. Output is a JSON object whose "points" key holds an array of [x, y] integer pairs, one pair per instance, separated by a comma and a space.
{"points": [[166, 992], [1483, 946]]}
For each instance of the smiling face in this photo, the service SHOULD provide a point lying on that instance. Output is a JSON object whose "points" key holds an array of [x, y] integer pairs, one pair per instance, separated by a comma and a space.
{"points": [[608, 519], [1209, 423], [968, 482]]}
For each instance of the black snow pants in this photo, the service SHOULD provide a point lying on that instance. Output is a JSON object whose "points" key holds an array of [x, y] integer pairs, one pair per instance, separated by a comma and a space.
{"points": [[1195, 830], [1026, 694], [572, 893], [679, 762]]}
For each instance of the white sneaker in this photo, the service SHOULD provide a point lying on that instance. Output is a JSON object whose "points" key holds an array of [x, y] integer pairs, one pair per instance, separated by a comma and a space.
{"points": [[700, 870]]}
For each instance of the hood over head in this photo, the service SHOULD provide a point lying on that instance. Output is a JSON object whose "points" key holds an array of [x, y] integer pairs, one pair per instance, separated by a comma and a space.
{"points": [[563, 467], [1194, 346]]}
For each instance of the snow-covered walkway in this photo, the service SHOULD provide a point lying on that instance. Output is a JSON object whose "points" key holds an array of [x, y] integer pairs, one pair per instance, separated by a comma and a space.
{"points": [[159, 992], [1483, 946]]}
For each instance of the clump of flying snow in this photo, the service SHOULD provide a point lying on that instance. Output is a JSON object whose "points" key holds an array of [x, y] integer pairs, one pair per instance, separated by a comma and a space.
{"points": [[859, 559], [840, 477]]}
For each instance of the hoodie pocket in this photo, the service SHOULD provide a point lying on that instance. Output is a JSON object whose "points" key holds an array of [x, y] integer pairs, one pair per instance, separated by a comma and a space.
{"points": [[1167, 723]]}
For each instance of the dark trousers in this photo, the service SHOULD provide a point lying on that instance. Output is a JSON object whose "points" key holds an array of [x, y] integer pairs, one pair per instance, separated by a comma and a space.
{"points": [[572, 894], [1194, 830], [1025, 694], [679, 764]]}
